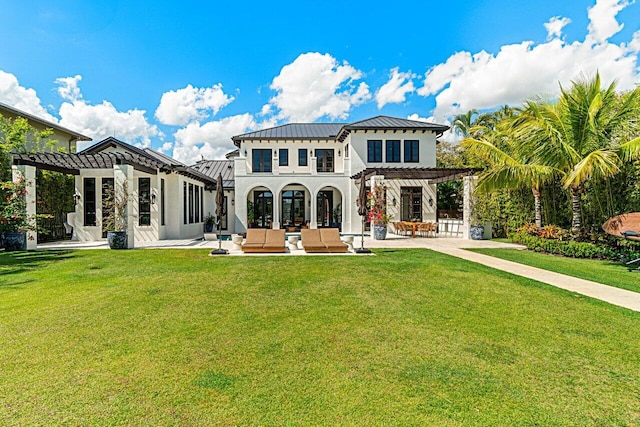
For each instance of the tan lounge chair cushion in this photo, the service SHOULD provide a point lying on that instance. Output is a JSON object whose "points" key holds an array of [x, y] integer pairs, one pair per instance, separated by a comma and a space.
{"points": [[275, 239], [331, 238], [311, 241]]}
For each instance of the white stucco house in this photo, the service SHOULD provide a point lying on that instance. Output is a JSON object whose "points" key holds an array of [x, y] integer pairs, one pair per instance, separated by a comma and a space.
{"points": [[289, 176]]}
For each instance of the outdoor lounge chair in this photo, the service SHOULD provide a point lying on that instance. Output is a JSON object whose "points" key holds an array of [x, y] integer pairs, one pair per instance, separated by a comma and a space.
{"points": [[331, 238], [311, 241], [260, 240]]}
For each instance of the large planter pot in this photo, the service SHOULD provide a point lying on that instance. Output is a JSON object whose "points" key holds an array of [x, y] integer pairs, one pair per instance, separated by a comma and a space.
{"points": [[476, 232], [208, 228], [117, 239], [15, 241], [379, 232]]}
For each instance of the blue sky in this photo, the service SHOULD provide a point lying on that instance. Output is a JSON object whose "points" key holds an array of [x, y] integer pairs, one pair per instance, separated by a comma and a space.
{"points": [[185, 77]]}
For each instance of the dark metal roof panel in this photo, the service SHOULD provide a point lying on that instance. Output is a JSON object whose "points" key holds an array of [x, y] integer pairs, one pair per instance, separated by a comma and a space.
{"points": [[386, 122], [211, 168], [295, 131]]}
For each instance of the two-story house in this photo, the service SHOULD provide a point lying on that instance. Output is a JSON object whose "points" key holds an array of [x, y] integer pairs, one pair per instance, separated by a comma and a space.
{"points": [[290, 176], [302, 174]]}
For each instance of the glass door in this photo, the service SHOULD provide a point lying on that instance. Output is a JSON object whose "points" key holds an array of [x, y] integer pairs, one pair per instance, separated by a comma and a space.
{"points": [[411, 203], [325, 208], [292, 208], [263, 209]]}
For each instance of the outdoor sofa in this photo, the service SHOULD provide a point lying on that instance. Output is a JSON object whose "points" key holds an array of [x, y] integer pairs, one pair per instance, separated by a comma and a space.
{"points": [[260, 240], [324, 240]]}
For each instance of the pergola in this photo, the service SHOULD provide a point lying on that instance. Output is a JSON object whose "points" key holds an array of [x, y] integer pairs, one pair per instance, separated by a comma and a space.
{"points": [[434, 176]]}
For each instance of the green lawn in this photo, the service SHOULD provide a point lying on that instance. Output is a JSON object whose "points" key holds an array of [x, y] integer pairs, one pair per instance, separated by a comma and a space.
{"points": [[606, 272], [406, 337]]}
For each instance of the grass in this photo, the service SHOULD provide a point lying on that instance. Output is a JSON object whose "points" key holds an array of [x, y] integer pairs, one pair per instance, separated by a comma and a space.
{"points": [[605, 272], [406, 337]]}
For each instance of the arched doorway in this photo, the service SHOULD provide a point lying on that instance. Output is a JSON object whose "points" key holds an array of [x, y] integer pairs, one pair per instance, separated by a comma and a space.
{"points": [[293, 208], [260, 215], [329, 208]]}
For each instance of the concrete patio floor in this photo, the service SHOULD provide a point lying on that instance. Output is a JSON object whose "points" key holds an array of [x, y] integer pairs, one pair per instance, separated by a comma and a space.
{"points": [[450, 246]]}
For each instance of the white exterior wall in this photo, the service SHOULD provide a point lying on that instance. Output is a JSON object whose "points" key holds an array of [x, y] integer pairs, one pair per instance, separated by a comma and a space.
{"points": [[174, 227], [357, 161], [347, 163]]}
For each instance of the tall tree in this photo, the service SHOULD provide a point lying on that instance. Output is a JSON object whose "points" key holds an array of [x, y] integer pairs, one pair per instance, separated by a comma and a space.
{"points": [[587, 133], [512, 161]]}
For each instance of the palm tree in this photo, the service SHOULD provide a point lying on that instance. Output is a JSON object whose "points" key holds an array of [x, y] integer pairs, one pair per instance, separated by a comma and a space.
{"points": [[585, 134], [512, 160]]}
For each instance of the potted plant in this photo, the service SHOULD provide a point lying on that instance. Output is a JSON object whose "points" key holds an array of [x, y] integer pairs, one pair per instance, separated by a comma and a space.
{"points": [[14, 221], [378, 217], [209, 222], [337, 216], [116, 202]]}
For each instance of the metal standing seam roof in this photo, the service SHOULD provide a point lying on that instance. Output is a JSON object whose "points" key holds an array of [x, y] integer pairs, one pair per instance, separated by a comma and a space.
{"points": [[338, 131], [93, 157], [211, 168], [294, 131]]}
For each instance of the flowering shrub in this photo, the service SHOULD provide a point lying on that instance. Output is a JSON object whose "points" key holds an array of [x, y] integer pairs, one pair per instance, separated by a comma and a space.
{"points": [[13, 216], [13, 210], [377, 204]]}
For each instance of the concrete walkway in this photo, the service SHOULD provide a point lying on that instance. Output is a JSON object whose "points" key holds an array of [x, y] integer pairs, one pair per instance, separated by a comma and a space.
{"points": [[451, 246]]}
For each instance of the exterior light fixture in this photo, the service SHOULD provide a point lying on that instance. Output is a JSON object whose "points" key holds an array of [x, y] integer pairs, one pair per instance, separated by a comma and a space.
{"points": [[233, 202], [430, 201], [76, 197], [245, 153], [394, 202], [153, 199], [339, 153]]}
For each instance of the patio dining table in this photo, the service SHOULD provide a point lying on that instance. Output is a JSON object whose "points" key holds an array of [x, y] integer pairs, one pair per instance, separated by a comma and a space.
{"points": [[414, 225]]}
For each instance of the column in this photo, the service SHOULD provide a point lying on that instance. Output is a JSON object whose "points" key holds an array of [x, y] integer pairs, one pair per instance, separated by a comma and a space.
{"points": [[469, 185], [28, 173], [123, 178], [313, 208]]}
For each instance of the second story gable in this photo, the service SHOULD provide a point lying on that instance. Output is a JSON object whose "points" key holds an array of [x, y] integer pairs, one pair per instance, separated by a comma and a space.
{"points": [[339, 149]]}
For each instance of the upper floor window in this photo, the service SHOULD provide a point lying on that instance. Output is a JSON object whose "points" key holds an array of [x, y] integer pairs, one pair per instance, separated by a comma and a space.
{"points": [[411, 151], [325, 160], [302, 157], [374, 151], [393, 151], [261, 160], [283, 157]]}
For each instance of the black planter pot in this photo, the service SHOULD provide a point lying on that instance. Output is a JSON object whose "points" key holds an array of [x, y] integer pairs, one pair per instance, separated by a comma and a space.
{"points": [[117, 239], [14, 241], [208, 228]]}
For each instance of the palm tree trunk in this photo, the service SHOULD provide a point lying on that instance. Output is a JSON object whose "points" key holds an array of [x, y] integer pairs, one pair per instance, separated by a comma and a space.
{"points": [[538, 206], [576, 206]]}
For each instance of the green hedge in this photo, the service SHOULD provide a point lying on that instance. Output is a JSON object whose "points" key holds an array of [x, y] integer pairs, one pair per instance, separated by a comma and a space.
{"points": [[574, 249]]}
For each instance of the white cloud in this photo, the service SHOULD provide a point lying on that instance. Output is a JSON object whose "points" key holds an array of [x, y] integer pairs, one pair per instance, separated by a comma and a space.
{"points": [[519, 71], [102, 120], [602, 19], [315, 86], [396, 89], [555, 25], [211, 140], [20, 97], [166, 147], [448, 136], [68, 88], [182, 106]]}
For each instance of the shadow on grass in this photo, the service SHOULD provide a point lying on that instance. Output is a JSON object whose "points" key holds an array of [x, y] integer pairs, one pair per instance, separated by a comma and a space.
{"points": [[19, 262]]}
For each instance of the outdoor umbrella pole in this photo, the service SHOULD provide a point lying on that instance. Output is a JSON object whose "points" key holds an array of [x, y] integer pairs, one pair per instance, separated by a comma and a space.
{"points": [[362, 211], [220, 210]]}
